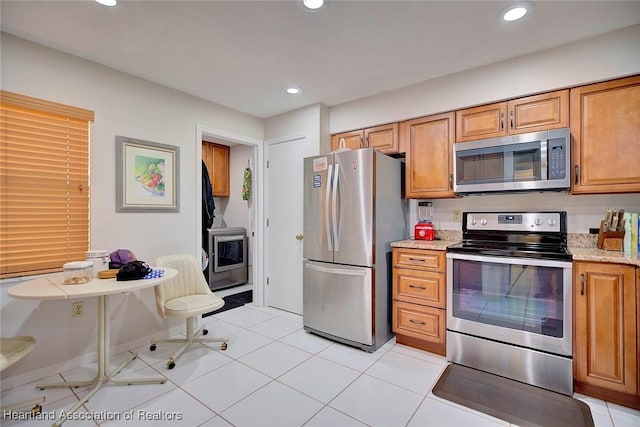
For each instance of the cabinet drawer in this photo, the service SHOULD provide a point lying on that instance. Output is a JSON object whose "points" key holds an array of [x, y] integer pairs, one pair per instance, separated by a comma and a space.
{"points": [[418, 321], [412, 258], [419, 287]]}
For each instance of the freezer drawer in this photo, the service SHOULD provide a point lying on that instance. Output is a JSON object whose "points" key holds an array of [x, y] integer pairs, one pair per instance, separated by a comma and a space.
{"points": [[338, 301]]}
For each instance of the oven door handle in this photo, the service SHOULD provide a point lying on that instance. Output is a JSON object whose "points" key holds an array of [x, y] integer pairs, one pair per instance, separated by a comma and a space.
{"points": [[511, 260]]}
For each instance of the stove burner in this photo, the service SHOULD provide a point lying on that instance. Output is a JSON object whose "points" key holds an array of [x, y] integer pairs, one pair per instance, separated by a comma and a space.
{"points": [[540, 235]]}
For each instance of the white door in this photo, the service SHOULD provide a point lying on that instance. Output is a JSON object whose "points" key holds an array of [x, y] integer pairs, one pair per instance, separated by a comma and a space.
{"points": [[285, 220]]}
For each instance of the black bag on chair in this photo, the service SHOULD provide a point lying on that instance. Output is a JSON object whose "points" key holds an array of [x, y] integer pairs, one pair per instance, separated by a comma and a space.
{"points": [[133, 270]]}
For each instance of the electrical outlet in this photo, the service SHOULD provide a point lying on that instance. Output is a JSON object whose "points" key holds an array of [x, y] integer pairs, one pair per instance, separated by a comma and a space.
{"points": [[78, 308], [457, 215]]}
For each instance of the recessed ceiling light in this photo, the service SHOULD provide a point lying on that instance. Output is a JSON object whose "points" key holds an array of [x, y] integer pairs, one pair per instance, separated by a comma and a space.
{"points": [[313, 4], [515, 11], [293, 90], [107, 2]]}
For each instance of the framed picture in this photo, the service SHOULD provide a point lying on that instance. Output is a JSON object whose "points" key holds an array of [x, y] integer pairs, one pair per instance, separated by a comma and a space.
{"points": [[147, 176]]}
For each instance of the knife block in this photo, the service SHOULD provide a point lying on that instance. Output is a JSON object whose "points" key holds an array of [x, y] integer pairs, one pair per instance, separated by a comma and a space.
{"points": [[609, 240]]}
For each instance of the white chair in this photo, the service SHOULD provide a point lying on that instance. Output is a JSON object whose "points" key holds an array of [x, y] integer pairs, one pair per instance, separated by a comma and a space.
{"points": [[185, 296], [13, 350]]}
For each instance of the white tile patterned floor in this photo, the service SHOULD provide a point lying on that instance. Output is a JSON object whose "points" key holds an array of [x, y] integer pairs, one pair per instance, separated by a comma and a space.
{"points": [[274, 374]]}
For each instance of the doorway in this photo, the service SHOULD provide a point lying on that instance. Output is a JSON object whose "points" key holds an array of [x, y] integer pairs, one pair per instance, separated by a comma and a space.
{"points": [[245, 213]]}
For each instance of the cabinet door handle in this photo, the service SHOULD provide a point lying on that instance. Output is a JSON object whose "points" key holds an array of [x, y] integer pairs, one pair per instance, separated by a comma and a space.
{"points": [[450, 181], [577, 173], [582, 284], [417, 322], [501, 121], [417, 260], [362, 141], [511, 118], [417, 287]]}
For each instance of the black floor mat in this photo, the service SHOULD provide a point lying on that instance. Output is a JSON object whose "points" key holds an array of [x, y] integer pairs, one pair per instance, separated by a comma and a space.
{"points": [[233, 301], [509, 400]]}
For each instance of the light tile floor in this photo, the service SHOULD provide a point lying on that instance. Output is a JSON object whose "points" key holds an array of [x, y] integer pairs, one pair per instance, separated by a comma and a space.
{"points": [[276, 374]]}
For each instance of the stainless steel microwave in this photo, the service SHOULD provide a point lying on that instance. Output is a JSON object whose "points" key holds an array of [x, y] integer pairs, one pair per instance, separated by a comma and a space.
{"points": [[536, 161]]}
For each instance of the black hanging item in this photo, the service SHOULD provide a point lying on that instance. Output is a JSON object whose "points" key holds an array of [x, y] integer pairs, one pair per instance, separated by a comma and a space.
{"points": [[208, 205], [208, 208]]}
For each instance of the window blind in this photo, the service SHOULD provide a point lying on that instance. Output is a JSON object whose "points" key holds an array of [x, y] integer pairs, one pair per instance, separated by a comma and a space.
{"points": [[44, 185]]}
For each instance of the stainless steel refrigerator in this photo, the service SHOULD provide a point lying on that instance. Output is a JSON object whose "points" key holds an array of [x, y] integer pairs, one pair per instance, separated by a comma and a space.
{"points": [[352, 212]]}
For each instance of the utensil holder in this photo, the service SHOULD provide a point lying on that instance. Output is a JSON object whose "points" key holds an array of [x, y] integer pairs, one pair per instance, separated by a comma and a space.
{"points": [[609, 240]]}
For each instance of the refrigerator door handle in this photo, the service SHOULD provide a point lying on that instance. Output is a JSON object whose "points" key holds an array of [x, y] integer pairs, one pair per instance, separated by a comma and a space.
{"points": [[341, 271], [335, 205], [326, 210]]}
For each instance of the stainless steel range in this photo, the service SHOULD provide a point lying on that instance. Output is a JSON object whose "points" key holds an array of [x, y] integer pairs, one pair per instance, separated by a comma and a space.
{"points": [[509, 294]]}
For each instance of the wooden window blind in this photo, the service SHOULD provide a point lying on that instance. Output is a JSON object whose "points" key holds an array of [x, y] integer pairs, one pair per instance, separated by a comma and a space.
{"points": [[44, 185]]}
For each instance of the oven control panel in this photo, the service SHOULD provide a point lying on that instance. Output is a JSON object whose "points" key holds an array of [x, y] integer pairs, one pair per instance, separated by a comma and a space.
{"points": [[514, 221]]}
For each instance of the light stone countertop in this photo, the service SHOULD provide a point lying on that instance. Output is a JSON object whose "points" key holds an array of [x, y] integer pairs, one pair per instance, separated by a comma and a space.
{"points": [[437, 245], [581, 247], [600, 255]]}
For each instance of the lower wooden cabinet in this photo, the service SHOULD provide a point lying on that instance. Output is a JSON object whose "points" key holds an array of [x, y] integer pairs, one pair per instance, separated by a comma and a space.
{"points": [[606, 332], [419, 300]]}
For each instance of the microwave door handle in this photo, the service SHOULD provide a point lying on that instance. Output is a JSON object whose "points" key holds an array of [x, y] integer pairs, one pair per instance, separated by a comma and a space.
{"points": [[327, 207], [509, 167], [544, 160], [335, 205]]}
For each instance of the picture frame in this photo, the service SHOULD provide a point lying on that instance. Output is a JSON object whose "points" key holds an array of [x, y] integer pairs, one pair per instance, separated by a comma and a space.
{"points": [[147, 176]]}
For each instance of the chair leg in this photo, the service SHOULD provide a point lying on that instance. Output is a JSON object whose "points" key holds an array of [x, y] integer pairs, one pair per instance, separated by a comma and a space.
{"points": [[191, 338]]}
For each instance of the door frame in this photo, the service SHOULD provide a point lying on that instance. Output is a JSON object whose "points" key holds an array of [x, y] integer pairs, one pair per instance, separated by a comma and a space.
{"points": [[267, 145], [258, 216]]}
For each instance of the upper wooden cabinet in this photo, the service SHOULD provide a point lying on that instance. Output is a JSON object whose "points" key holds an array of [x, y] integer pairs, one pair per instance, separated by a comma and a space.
{"points": [[605, 125], [428, 142], [606, 335], [352, 140], [216, 157], [530, 114], [383, 138]]}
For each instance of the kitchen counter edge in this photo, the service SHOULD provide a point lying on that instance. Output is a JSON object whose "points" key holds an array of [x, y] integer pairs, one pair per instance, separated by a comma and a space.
{"points": [[579, 254], [437, 245]]}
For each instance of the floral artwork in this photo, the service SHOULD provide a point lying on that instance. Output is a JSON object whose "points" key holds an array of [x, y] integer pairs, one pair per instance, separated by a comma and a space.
{"points": [[150, 174], [146, 176]]}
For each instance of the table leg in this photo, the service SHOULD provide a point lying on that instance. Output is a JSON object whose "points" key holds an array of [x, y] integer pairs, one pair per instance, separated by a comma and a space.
{"points": [[104, 374], [101, 351], [110, 376]]}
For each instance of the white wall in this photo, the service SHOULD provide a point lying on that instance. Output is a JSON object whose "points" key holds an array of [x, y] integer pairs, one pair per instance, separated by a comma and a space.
{"points": [[608, 56], [312, 121], [238, 212], [604, 57], [128, 106]]}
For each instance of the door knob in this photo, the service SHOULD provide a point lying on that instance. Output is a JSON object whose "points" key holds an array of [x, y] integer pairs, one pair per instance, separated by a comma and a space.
{"points": [[299, 236]]}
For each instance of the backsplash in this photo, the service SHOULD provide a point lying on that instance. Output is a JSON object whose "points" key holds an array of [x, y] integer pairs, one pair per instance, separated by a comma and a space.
{"points": [[574, 240], [452, 235], [577, 240]]}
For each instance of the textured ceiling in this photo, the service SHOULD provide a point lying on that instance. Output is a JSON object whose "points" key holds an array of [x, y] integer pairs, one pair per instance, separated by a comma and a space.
{"points": [[242, 54]]}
